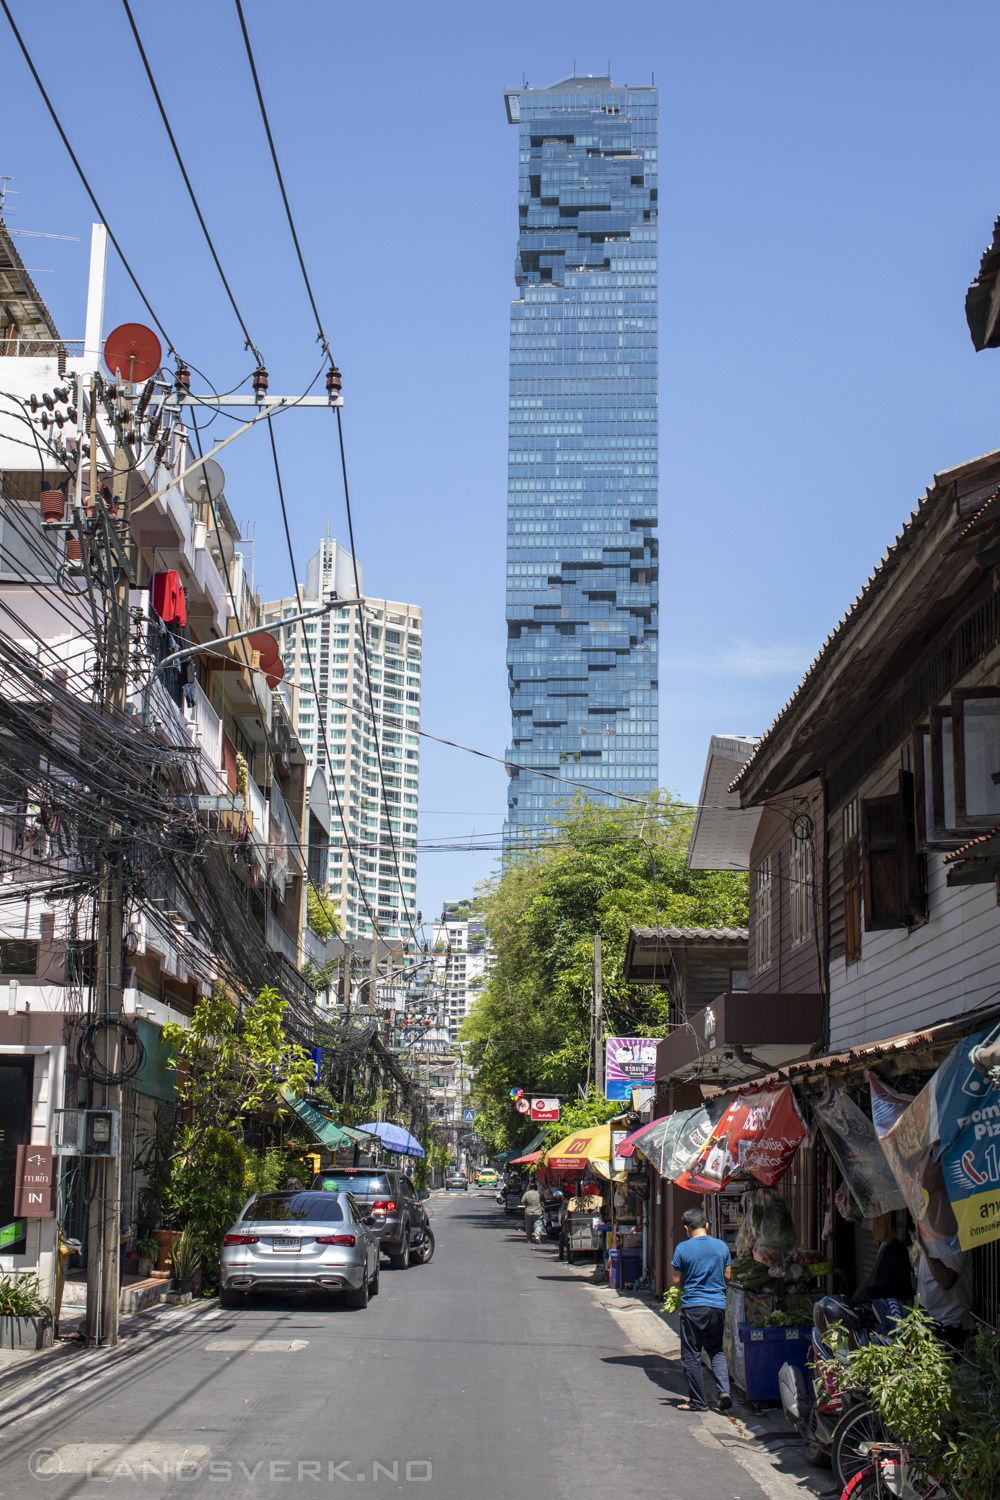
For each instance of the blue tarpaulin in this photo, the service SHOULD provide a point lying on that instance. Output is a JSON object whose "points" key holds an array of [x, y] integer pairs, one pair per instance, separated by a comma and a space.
{"points": [[395, 1138]]}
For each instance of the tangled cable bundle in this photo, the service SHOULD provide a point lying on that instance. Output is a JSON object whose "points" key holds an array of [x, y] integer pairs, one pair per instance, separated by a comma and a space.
{"points": [[131, 1052]]}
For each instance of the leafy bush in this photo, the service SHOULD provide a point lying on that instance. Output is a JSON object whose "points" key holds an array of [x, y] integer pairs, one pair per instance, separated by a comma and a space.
{"points": [[944, 1412], [206, 1189], [264, 1171], [21, 1297], [185, 1255], [147, 1248]]}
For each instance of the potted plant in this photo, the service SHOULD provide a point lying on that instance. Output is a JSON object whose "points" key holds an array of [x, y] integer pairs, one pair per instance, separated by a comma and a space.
{"points": [[147, 1251], [25, 1320], [185, 1260]]}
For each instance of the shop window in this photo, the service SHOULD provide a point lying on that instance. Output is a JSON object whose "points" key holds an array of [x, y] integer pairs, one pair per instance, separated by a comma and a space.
{"points": [[975, 719], [762, 915], [894, 873], [800, 890], [852, 884]]}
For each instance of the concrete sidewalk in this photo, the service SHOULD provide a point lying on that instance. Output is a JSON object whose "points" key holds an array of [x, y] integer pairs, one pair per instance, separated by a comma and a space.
{"points": [[761, 1440]]}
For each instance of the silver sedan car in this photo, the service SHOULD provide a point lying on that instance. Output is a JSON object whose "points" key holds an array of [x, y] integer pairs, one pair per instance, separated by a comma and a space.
{"points": [[300, 1242]]}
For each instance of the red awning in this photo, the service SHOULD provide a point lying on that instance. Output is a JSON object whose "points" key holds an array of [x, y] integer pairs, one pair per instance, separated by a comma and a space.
{"points": [[528, 1160]]}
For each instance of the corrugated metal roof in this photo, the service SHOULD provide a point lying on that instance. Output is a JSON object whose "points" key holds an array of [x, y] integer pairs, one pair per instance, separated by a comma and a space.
{"points": [[21, 307], [870, 1052], [878, 581], [693, 934], [984, 328]]}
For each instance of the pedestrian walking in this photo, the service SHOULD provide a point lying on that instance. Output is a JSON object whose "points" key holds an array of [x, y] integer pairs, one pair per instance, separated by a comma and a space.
{"points": [[531, 1202], [701, 1267]]}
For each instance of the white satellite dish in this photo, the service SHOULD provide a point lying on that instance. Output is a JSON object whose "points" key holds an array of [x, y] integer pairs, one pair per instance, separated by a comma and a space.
{"points": [[221, 544], [206, 482]]}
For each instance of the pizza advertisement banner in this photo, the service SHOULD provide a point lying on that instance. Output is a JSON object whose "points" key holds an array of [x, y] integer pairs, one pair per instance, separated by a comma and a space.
{"points": [[943, 1148], [757, 1136]]}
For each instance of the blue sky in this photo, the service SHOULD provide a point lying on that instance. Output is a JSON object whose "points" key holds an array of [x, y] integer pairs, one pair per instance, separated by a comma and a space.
{"points": [[826, 189]]}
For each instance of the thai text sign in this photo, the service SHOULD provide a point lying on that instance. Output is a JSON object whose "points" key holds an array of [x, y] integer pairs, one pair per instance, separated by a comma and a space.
{"points": [[629, 1060], [33, 1196]]}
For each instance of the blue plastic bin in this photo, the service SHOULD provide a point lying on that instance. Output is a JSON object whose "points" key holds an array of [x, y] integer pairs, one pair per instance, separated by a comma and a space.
{"points": [[765, 1351], [626, 1267]]}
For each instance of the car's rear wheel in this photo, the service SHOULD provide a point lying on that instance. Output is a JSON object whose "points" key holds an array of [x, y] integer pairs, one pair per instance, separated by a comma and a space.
{"points": [[358, 1299], [401, 1259], [231, 1299], [425, 1249]]}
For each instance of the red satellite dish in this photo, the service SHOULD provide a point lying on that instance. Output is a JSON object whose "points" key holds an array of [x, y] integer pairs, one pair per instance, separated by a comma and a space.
{"points": [[134, 350], [273, 675], [264, 642]]}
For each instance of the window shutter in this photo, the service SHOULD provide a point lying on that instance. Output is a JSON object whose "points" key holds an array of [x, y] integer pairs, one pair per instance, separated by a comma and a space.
{"points": [[852, 902], [914, 863], [894, 874]]}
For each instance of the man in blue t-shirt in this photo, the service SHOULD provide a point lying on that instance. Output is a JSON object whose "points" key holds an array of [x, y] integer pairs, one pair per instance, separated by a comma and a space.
{"points": [[702, 1266]]}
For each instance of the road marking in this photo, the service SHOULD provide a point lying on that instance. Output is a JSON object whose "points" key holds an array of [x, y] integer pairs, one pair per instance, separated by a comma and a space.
{"points": [[256, 1346], [120, 1459]]}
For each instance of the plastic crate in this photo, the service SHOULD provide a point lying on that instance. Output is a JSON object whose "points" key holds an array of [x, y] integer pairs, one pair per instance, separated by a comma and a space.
{"points": [[765, 1350]]}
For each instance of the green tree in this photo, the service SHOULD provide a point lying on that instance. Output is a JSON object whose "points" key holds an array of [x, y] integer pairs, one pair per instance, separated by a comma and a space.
{"points": [[229, 1062], [601, 869], [322, 914]]}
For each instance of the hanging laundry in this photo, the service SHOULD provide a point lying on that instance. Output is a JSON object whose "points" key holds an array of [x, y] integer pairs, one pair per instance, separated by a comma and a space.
{"points": [[168, 597]]}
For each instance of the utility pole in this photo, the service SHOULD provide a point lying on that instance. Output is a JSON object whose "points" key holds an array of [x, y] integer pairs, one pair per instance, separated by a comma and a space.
{"points": [[598, 1019], [103, 1251]]}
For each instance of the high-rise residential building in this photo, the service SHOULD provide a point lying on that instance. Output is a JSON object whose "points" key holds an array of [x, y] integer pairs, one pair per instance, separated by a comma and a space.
{"points": [[582, 480], [381, 824], [462, 960]]}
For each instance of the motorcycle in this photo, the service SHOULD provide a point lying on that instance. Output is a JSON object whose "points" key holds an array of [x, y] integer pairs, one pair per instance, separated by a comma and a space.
{"points": [[825, 1416]]}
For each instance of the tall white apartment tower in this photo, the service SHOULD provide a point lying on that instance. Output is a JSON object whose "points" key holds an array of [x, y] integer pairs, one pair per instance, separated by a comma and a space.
{"points": [[373, 826]]}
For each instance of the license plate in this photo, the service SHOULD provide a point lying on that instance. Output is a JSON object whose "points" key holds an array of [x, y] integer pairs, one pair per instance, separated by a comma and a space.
{"points": [[286, 1245]]}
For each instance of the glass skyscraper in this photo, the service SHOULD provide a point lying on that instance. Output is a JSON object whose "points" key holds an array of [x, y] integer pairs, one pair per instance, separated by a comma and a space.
{"points": [[582, 619]]}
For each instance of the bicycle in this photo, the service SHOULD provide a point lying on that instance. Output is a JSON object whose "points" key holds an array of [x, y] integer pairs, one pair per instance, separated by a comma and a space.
{"points": [[892, 1475]]}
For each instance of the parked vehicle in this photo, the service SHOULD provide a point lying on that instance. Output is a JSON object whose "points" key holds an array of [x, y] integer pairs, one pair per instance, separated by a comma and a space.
{"points": [[296, 1241], [396, 1209], [815, 1407], [837, 1424]]}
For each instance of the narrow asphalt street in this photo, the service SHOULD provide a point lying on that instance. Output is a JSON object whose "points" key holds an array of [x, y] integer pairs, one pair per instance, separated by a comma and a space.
{"points": [[494, 1370]]}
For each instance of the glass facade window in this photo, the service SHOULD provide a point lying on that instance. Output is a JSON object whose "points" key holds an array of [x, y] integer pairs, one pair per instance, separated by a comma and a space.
{"points": [[582, 559]]}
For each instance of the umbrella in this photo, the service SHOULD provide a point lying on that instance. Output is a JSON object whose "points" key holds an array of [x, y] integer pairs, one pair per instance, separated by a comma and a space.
{"points": [[586, 1148], [395, 1138]]}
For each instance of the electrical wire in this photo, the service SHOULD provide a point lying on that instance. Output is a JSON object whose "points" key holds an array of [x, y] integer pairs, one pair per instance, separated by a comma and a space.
{"points": [[322, 340], [187, 183], [312, 674], [321, 337], [83, 178], [368, 671]]}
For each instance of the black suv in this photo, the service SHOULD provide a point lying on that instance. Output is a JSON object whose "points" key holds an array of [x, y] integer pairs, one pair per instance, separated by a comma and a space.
{"points": [[392, 1206]]}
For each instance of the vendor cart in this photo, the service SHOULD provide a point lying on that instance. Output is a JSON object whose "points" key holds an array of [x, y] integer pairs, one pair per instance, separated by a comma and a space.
{"points": [[579, 1234]]}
